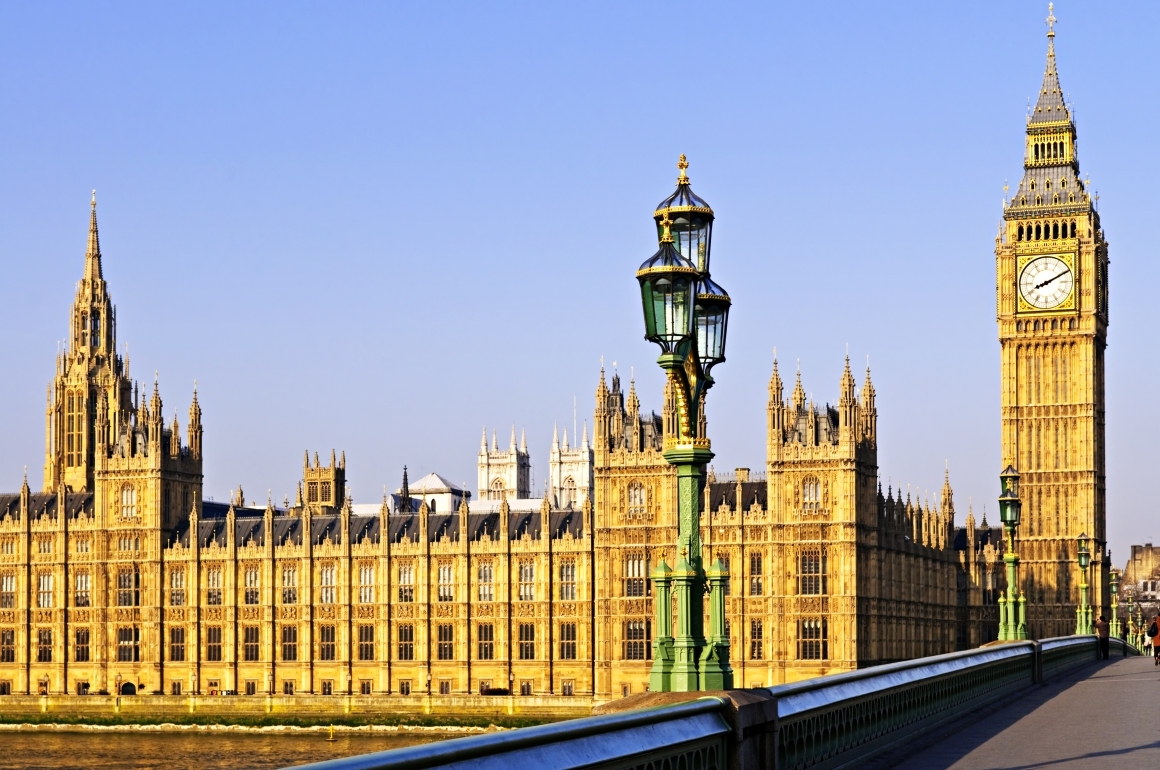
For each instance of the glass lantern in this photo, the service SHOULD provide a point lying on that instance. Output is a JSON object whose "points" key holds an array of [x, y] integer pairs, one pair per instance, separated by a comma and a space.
{"points": [[1009, 480], [1084, 554], [691, 221], [711, 315], [667, 289], [1010, 508]]}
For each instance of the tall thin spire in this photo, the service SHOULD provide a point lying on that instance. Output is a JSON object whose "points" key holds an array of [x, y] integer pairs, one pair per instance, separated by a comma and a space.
{"points": [[93, 252], [1050, 106]]}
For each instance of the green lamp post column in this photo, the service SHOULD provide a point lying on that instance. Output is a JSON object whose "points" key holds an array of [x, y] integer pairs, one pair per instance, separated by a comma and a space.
{"points": [[660, 677], [1013, 604], [1083, 614], [716, 673], [1114, 626], [686, 314]]}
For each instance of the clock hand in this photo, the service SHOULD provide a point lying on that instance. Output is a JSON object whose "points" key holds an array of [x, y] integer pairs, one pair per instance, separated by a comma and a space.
{"points": [[1052, 278]]}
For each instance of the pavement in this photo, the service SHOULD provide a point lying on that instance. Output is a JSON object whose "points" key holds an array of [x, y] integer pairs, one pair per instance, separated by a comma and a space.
{"points": [[1102, 716]]}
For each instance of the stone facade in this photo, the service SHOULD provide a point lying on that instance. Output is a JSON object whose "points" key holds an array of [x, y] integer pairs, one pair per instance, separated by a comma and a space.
{"points": [[1051, 263]]}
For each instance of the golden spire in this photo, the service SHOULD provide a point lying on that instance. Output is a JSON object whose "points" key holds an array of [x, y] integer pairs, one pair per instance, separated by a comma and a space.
{"points": [[682, 164], [666, 223]]}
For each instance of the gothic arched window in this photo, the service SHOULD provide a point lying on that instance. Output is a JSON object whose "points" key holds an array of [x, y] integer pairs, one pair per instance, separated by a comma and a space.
{"points": [[73, 426], [569, 495], [635, 575], [128, 502], [496, 491], [811, 494], [636, 499]]}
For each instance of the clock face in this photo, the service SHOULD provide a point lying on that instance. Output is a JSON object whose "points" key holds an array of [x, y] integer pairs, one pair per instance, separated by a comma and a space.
{"points": [[1046, 282]]}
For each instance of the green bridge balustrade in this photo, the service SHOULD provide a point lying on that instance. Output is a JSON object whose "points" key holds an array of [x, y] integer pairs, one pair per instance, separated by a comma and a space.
{"points": [[826, 723]]}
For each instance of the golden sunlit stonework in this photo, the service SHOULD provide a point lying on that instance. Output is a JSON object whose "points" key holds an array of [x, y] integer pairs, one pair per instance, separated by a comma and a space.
{"points": [[1051, 263], [120, 577]]}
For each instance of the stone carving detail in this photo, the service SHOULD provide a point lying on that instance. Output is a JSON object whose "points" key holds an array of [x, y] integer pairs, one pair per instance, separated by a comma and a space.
{"points": [[366, 611], [80, 616], [8, 616], [44, 616], [444, 611], [484, 611], [175, 613], [326, 612], [567, 609], [526, 611], [405, 611], [288, 613], [213, 613], [250, 613]]}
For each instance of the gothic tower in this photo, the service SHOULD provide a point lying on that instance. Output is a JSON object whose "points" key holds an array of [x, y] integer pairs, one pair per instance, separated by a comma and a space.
{"points": [[1051, 263], [504, 475], [91, 385]]}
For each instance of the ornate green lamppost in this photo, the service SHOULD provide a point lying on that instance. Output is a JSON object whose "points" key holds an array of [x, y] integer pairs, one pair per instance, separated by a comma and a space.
{"points": [[1083, 613], [1114, 626], [1012, 604], [686, 314]]}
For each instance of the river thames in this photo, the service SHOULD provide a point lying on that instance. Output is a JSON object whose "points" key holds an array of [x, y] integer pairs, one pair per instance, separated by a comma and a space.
{"points": [[58, 749]]}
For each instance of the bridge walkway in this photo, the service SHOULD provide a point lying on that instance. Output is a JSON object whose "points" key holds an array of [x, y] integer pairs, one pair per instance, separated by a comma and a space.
{"points": [[1102, 716]]}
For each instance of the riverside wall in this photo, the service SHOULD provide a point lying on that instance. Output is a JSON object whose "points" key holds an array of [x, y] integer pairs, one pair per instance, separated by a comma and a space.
{"points": [[314, 708]]}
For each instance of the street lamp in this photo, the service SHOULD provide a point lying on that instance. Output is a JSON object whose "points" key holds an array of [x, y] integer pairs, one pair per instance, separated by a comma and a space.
{"points": [[1114, 627], [1012, 604], [686, 314], [1083, 613]]}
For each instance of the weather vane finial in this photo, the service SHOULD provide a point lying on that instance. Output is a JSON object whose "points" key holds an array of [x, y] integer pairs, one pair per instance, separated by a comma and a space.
{"points": [[682, 164]]}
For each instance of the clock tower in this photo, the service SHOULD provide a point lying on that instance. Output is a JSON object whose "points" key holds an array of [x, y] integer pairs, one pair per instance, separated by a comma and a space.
{"points": [[1051, 263]]}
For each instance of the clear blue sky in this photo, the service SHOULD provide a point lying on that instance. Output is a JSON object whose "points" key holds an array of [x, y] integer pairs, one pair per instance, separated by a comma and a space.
{"points": [[378, 227]]}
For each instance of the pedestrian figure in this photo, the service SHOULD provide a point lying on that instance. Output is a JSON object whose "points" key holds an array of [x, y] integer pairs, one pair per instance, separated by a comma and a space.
{"points": [[1154, 639], [1102, 636]]}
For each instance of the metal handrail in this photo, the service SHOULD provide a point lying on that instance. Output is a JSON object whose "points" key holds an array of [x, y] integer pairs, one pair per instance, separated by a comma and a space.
{"points": [[476, 746], [791, 697]]}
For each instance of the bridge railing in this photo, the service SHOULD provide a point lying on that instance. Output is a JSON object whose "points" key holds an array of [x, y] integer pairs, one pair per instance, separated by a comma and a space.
{"points": [[823, 723]]}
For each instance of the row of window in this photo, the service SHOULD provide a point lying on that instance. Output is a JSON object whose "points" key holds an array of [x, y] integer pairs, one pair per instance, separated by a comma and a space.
{"points": [[1045, 231], [812, 642], [1049, 150], [811, 581]]}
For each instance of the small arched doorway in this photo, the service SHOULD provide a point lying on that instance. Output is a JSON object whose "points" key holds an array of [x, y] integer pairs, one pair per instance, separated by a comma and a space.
{"points": [[128, 688]]}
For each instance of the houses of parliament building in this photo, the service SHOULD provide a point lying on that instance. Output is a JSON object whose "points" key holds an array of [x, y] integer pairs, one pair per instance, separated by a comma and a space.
{"points": [[119, 577]]}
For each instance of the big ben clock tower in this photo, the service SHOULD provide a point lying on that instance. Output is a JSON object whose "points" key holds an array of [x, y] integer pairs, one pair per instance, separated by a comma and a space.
{"points": [[1051, 263]]}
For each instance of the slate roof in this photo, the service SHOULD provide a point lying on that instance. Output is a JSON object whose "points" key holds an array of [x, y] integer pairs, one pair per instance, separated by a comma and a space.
{"points": [[38, 504], [726, 492]]}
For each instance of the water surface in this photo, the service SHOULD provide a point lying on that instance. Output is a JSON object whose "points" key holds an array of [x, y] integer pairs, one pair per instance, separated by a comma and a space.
{"points": [[104, 750]]}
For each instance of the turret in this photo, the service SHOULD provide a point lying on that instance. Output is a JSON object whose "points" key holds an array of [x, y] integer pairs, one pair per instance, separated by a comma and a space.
{"points": [[600, 417], [847, 405], [869, 411], [194, 430], [632, 409], [799, 393], [775, 411]]}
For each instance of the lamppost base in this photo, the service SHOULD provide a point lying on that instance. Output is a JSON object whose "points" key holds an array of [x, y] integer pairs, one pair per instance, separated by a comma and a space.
{"points": [[660, 678]]}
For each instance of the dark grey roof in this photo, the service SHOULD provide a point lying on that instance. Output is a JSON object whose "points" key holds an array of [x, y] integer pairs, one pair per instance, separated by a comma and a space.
{"points": [[726, 492], [1050, 107], [74, 504], [983, 536]]}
